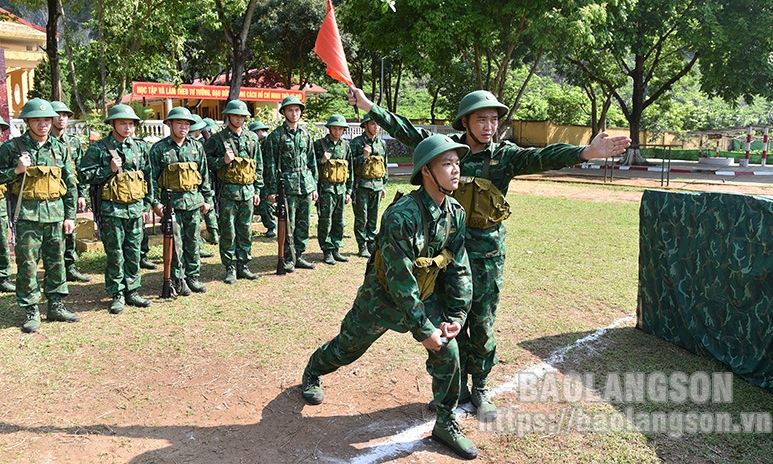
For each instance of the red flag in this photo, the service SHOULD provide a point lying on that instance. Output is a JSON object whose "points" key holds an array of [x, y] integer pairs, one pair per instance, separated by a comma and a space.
{"points": [[330, 49]]}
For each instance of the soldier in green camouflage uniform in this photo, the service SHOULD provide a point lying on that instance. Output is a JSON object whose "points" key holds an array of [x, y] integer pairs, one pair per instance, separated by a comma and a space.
{"points": [[147, 218], [334, 160], [234, 153], [289, 149], [418, 280], [38, 170], [209, 218], [5, 251], [120, 163], [478, 116], [75, 153], [265, 208], [178, 163], [369, 156]]}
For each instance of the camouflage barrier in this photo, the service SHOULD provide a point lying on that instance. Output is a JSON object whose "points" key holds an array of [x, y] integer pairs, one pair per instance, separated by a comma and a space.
{"points": [[706, 277]]}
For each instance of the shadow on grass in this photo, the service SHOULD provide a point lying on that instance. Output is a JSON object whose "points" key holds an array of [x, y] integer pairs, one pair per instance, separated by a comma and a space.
{"points": [[282, 435], [605, 364]]}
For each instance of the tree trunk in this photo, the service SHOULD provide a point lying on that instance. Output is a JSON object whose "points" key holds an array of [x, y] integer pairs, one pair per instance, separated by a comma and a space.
{"points": [[633, 156], [103, 71], [434, 104], [503, 125], [52, 49], [68, 46]]}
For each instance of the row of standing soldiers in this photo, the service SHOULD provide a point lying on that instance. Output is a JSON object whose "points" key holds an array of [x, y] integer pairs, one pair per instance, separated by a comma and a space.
{"points": [[192, 171]]}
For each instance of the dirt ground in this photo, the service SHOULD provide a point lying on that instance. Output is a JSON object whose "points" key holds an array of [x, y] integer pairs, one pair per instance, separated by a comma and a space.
{"points": [[156, 410]]}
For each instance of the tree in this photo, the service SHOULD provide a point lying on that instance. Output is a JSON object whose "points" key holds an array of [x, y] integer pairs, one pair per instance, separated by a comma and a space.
{"points": [[236, 27], [650, 45]]}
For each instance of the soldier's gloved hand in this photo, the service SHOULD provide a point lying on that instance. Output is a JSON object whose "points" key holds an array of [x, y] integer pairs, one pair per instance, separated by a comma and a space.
{"points": [[69, 226], [22, 164], [433, 342]]}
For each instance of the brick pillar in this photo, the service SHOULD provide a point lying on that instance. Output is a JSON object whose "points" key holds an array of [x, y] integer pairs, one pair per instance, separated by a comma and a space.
{"points": [[3, 97]]}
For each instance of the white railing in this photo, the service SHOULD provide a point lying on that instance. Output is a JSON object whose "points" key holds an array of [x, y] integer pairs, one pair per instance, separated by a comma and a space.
{"points": [[156, 129]]}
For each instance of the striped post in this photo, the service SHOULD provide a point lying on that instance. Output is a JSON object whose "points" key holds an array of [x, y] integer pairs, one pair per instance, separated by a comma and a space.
{"points": [[748, 147], [716, 153], [765, 147]]}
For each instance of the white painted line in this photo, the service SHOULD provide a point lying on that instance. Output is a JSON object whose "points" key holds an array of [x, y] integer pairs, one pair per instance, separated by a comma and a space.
{"points": [[725, 173], [411, 438], [625, 168]]}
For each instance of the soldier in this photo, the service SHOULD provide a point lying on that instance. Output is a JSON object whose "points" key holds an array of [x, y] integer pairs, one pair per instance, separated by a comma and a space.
{"points": [[119, 166], [74, 153], [370, 161], [6, 285], [265, 208], [210, 219], [289, 151], [498, 162], [419, 281], [40, 174], [336, 176], [180, 165], [234, 153]]}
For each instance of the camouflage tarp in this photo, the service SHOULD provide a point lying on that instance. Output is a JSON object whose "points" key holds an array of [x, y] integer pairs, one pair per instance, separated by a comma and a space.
{"points": [[706, 277]]}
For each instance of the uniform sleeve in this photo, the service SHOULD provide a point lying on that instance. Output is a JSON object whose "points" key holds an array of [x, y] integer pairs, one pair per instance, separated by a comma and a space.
{"points": [[206, 186], [348, 157], [77, 156], [8, 160], [259, 168], [155, 171], [398, 126], [356, 147], [151, 198], [215, 150], [457, 277], [270, 168], [70, 198], [519, 161], [398, 256], [91, 169], [311, 160]]}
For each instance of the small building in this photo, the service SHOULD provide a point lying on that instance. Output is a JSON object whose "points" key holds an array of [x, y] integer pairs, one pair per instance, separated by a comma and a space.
{"points": [[21, 50]]}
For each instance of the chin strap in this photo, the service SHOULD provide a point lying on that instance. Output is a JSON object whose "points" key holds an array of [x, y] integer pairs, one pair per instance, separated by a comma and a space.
{"points": [[442, 190]]}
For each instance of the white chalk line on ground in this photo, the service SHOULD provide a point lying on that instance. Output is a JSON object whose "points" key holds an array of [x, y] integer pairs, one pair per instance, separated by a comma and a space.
{"points": [[409, 439]]}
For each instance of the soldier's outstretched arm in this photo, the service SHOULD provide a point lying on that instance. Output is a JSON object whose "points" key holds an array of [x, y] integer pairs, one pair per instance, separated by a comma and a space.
{"points": [[398, 126]]}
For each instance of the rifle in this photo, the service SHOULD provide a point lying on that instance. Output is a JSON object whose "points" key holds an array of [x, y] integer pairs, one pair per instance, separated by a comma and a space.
{"points": [[281, 226], [167, 227], [398, 194], [96, 207]]}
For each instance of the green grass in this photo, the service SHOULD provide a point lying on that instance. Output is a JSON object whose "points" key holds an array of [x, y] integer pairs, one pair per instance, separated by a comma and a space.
{"points": [[571, 269]]}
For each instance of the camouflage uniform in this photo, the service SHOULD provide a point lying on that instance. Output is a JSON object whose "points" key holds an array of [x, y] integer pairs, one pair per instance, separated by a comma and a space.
{"points": [[486, 247], [5, 250], [186, 204], [236, 201], [292, 152], [398, 306], [122, 228], [75, 150], [39, 230], [266, 209], [332, 196], [368, 190]]}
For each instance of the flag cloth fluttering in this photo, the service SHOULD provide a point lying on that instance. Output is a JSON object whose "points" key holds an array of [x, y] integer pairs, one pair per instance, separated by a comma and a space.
{"points": [[330, 49]]}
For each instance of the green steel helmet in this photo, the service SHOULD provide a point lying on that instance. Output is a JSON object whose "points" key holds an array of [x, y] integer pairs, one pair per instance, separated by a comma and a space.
{"points": [[180, 112], [475, 101], [291, 100], [198, 123], [3, 125], [336, 120], [121, 112], [211, 124], [429, 149], [365, 119], [237, 107], [61, 107], [37, 108], [257, 125]]}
